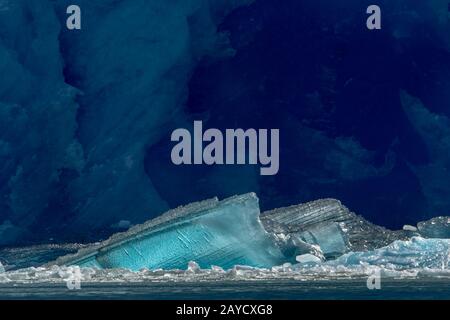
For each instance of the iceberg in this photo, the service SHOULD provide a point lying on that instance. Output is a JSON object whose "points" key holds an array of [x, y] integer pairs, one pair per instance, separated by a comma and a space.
{"points": [[224, 234], [414, 258], [438, 227], [212, 232], [308, 259], [330, 225], [329, 237]]}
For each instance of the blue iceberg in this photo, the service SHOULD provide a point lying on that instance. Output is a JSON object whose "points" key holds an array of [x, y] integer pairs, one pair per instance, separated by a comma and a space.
{"points": [[222, 233], [232, 232], [328, 225]]}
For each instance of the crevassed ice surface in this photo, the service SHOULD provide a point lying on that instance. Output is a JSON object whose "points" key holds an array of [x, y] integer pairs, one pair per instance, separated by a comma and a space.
{"points": [[224, 233]]}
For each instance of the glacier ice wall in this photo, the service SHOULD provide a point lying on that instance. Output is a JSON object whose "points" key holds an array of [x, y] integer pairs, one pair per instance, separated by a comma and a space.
{"points": [[434, 129], [37, 115], [81, 112], [131, 92], [78, 109]]}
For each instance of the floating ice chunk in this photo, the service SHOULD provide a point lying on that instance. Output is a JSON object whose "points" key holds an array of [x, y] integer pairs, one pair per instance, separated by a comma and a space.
{"points": [[308, 259], [438, 227], [217, 269], [309, 224], [329, 237], [401, 255], [407, 227], [295, 246], [410, 231], [222, 233], [193, 267], [285, 267], [328, 218]]}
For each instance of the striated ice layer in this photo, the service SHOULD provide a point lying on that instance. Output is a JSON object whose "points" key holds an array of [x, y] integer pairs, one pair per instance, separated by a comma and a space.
{"points": [[222, 233], [228, 233], [330, 225], [34, 256]]}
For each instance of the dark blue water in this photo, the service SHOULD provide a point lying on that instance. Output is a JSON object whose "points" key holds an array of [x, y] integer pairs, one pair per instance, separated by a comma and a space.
{"points": [[238, 290]]}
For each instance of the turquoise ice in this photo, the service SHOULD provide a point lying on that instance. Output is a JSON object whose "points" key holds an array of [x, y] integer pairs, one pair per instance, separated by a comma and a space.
{"points": [[222, 233], [232, 232]]}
